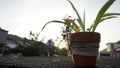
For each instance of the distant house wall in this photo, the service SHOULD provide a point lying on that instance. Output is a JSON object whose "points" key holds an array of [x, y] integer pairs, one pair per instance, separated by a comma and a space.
{"points": [[111, 48], [116, 45], [3, 36]]}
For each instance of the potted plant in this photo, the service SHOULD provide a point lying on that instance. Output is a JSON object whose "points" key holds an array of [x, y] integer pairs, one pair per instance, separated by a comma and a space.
{"points": [[84, 44]]}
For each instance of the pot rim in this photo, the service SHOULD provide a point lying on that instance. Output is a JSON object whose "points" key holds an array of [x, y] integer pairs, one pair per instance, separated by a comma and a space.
{"points": [[83, 37]]}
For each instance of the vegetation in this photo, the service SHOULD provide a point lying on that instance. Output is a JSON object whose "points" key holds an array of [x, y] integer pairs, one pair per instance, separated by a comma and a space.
{"points": [[63, 51], [36, 49], [78, 25], [34, 36], [33, 47]]}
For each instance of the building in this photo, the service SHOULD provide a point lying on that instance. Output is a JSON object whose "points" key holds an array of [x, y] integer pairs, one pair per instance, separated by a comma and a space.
{"points": [[3, 36], [112, 50]]}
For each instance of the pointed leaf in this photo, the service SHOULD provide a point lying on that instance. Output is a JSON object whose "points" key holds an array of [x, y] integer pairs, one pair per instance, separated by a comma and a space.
{"points": [[79, 18], [101, 13], [57, 21], [110, 17], [53, 21], [111, 14]]}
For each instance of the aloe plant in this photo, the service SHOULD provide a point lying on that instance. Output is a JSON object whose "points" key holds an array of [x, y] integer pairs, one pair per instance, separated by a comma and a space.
{"points": [[101, 16]]}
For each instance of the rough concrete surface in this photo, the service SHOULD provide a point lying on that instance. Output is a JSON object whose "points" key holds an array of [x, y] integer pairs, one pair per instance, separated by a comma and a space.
{"points": [[53, 62]]}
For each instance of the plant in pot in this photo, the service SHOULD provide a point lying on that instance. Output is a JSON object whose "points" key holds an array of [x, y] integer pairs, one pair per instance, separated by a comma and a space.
{"points": [[84, 44]]}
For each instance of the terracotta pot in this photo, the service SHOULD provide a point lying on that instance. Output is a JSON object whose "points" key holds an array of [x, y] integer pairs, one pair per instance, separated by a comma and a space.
{"points": [[84, 47]]}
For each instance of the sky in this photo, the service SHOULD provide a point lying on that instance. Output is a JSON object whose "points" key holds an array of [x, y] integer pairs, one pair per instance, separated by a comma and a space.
{"points": [[20, 17]]}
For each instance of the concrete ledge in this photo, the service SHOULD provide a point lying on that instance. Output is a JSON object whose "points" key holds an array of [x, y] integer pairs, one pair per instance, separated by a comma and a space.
{"points": [[53, 62]]}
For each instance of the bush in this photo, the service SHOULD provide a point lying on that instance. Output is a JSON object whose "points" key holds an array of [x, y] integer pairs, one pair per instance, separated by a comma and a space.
{"points": [[37, 49]]}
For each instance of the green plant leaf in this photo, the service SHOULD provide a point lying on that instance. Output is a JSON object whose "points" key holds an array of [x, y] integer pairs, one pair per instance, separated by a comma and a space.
{"points": [[107, 16], [79, 18], [111, 14], [57, 21], [84, 20], [110, 17], [73, 24], [54, 21], [76, 28], [100, 14]]}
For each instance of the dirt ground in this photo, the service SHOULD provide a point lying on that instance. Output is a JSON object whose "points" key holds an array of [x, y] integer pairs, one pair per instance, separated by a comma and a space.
{"points": [[53, 62]]}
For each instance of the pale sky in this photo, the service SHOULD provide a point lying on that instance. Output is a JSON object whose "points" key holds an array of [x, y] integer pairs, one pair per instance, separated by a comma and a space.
{"points": [[20, 17]]}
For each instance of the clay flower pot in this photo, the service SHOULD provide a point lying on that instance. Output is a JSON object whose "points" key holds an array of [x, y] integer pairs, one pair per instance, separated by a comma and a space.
{"points": [[84, 47]]}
